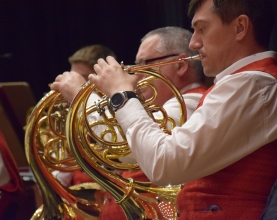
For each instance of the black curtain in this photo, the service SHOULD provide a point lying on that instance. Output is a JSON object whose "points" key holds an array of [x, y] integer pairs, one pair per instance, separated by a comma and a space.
{"points": [[273, 42], [38, 36]]}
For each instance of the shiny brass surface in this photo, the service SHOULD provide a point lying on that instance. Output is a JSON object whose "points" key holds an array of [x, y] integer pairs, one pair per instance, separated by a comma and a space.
{"points": [[37, 136], [86, 135], [137, 68], [47, 151], [99, 144]]}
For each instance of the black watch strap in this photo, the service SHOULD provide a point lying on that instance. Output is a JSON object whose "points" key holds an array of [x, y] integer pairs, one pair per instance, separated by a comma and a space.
{"points": [[119, 99], [131, 94]]}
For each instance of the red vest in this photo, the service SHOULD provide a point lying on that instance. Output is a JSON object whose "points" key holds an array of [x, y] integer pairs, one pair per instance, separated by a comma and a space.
{"points": [[239, 191]]}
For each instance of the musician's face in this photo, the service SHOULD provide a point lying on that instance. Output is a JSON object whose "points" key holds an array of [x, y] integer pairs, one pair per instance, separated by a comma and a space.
{"points": [[149, 50], [214, 40], [82, 68]]}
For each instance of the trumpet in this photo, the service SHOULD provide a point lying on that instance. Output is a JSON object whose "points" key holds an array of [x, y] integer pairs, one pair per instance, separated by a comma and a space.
{"points": [[137, 68]]}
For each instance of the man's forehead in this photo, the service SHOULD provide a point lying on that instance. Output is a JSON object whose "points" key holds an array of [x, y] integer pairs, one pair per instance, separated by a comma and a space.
{"points": [[148, 48], [204, 14], [150, 42]]}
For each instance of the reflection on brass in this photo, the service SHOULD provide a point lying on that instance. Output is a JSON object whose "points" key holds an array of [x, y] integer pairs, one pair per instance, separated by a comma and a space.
{"points": [[98, 144], [138, 68], [86, 135], [47, 151]]}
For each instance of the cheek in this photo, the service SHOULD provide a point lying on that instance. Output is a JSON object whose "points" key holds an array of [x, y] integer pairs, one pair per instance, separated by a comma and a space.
{"points": [[158, 85], [148, 92], [168, 70], [218, 39]]}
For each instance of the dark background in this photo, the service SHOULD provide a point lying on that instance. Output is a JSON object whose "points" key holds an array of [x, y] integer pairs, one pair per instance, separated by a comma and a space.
{"points": [[37, 37]]}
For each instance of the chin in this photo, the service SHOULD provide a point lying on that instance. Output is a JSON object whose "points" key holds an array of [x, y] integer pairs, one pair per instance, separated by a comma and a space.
{"points": [[208, 72]]}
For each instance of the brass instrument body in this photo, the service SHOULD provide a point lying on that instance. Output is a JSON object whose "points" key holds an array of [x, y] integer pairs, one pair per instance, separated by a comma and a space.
{"points": [[95, 154], [88, 155], [47, 150], [125, 193], [36, 152]]}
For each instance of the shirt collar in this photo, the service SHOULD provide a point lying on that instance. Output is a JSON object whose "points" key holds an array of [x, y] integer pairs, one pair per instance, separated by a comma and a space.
{"points": [[190, 86], [243, 62]]}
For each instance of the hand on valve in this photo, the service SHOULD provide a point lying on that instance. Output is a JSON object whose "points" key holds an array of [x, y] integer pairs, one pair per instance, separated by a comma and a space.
{"points": [[111, 78]]}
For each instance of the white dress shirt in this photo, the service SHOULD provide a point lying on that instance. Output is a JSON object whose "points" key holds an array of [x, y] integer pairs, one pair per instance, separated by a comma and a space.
{"points": [[237, 117], [191, 100]]}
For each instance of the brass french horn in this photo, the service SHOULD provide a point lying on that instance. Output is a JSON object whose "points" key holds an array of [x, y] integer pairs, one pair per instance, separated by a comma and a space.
{"points": [[47, 150], [86, 135], [95, 156]]}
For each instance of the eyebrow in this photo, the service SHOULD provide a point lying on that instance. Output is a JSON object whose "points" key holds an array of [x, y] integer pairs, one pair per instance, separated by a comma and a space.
{"points": [[196, 23]]}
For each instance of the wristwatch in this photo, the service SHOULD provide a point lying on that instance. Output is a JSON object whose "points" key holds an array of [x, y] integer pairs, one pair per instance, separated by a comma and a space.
{"points": [[119, 99]]}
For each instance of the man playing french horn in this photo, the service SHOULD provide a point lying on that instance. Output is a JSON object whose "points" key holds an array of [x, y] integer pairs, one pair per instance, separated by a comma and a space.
{"points": [[226, 151], [163, 44]]}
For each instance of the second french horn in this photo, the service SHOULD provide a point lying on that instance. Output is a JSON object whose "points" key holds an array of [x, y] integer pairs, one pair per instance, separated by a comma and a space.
{"points": [[109, 145], [95, 142]]}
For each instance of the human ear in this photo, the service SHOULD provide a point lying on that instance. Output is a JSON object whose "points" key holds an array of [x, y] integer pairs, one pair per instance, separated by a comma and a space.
{"points": [[241, 26], [182, 66]]}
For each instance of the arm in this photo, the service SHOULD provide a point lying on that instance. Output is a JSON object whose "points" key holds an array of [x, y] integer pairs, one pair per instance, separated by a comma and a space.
{"points": [[225, 129], [230, 125], [68, 85]]}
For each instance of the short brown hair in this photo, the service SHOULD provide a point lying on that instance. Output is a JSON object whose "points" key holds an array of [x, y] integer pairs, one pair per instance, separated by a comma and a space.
{"points": [[260, 13], [90, 54]]}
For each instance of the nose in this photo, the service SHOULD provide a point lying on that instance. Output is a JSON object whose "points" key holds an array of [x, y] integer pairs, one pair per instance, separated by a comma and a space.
{"points": [[195, 43]]}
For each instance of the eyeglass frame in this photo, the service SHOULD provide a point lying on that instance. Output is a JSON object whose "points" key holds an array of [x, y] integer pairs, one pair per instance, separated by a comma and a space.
{"points": [[147, 61]]}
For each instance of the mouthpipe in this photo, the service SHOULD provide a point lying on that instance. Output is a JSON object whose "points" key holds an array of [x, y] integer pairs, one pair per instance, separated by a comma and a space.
{"points": [[136, 68]]}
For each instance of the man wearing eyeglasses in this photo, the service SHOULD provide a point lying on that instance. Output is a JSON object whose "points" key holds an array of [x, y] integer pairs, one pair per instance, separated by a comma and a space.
{"points": [[159, 45], [168, 44], [226, 151]]}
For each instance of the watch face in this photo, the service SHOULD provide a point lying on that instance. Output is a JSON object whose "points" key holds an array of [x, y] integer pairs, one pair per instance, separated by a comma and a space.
{"points": [[117, 99]]}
